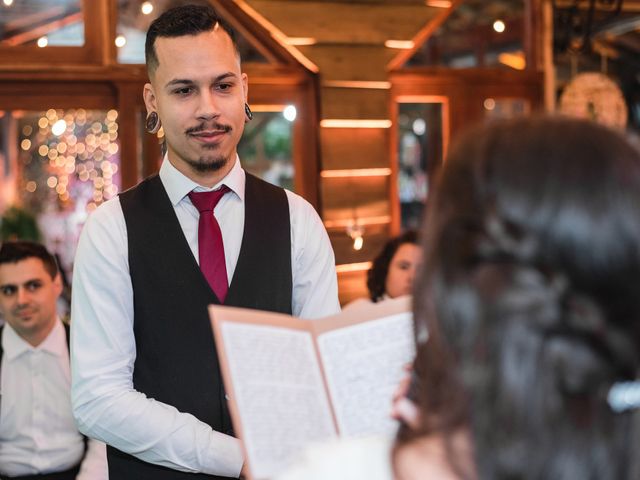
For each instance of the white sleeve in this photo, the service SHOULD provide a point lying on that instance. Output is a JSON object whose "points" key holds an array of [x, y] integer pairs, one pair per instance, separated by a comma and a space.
{"points": [[103, 351], [315, 284]]}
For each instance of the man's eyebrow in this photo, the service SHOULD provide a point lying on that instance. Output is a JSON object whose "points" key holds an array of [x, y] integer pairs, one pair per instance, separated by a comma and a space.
{"points": [[7, 285], [224, 76], [187, 82], [179, 81]]}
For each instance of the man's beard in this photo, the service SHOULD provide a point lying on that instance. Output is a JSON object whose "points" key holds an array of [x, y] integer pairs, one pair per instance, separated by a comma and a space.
{"points": [[211, 163]]}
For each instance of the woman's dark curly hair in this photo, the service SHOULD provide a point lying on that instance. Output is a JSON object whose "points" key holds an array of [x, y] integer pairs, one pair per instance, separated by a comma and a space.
{"points": [[530, 293], [377, 275]]}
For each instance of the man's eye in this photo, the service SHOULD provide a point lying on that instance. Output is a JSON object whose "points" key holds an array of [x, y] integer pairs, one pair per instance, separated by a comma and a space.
{"points": [[8, 290], [224, 86], [33, 286], [183, 91]]}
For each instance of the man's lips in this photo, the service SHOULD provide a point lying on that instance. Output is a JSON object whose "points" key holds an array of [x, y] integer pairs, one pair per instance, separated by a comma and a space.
{"points": [[24, 314], [208, 136]]}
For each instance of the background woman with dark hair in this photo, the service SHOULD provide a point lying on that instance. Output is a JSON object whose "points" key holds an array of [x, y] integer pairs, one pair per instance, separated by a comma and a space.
{"points": [[530, 291], [531, 295], [393, 270]]}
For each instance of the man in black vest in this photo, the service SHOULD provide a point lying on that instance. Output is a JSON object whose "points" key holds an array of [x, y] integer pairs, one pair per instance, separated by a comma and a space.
{"points": [[145, 372], [38, 437]]}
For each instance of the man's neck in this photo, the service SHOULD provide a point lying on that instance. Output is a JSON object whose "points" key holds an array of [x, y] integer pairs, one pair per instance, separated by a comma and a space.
{"points": [[205, 178]]}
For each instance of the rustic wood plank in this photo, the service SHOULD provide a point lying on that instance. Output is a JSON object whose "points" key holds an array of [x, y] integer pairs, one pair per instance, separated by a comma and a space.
{"points": [[342, 198], [352, 285], [354, 103], [375, 236], [343, 22], [350, 62], [354, 148]]}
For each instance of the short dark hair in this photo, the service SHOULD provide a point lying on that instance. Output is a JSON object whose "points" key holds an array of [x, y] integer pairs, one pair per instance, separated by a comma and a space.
{"points": [[180, 21], [377, 274], [530, 294], [14, 252]]}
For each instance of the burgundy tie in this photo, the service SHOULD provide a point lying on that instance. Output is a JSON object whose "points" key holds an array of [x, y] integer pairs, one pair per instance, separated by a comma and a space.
{"points": [[210, 245]]}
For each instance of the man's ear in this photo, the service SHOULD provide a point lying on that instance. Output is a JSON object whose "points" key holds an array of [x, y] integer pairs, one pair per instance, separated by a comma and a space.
{"points": [[148, 93], [57, 284], [245, 87]]}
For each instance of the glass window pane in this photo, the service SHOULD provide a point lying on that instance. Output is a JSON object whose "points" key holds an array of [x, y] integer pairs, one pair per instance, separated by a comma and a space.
{"points": [[265, 149], [134, 18], [420, 149], [42, 23], [478, 33], [65, 163]]}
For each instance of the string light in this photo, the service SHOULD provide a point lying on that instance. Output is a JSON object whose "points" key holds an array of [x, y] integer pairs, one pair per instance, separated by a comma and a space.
{"points": [[499, 26], [8, 3], [290, 113], [120, 41], [71, 152], [146, 8], [43, 41]]}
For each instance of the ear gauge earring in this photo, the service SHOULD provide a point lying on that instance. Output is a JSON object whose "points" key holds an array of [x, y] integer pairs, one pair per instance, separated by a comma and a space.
{"points": [[152, 123], [248, 112]]}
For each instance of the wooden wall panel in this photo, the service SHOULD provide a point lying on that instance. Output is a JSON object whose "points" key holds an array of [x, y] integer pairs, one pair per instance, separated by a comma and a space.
{"points": [[368, 196], [374, 236], [358, 103], [43, 95], [354, 148], [350, 62], [352, 285]]}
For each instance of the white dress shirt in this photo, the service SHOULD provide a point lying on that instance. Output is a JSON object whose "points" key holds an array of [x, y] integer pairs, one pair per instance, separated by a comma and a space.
{"points": [[106, 406], [37, 430]]}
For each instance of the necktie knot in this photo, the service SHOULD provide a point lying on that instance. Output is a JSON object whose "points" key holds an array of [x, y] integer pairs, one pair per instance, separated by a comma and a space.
{"points": [[207, 201]]}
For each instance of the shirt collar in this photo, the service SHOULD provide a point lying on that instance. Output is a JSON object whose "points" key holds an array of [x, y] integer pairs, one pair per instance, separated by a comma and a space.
{"points": [[178, 185], [14, 346]]}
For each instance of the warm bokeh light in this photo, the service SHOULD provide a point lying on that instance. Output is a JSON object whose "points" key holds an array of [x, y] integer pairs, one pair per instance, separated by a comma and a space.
{"points": [[121, 41], [43, 41], [146, 8], [489, 104], [439, 3], [399, 44], [290, 113], [499, 26], [59, 127]]}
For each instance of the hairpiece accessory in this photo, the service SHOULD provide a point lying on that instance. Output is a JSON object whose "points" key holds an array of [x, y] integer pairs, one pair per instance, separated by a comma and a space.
{"points": [[248, 112], [152, 123], [624, 396]]}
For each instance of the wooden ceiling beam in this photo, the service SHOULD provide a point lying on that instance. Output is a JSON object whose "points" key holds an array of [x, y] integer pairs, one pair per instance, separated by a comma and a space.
{"points": [[346, 23], [422, 36]]}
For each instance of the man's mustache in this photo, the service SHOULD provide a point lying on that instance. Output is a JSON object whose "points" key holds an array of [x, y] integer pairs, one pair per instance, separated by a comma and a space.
{"points": [[205, 126]]}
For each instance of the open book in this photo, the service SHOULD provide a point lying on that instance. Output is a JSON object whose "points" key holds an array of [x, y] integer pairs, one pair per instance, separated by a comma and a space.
{"points": [[293, 382]]}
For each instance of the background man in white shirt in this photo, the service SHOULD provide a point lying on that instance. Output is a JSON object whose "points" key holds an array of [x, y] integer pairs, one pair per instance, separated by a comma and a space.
{"points": [[146, 379], [38, 437]]}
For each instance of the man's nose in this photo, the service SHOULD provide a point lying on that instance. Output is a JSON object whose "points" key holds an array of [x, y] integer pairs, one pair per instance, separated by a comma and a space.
{"points": [[208, 106], [22, 295]]}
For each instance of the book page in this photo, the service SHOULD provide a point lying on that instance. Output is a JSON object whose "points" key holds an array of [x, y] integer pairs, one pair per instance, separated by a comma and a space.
{"points": [[279, 392], [363, 365]]}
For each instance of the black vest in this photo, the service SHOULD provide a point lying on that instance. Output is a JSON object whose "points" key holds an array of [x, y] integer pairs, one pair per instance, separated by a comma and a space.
{"points": [[176, 361]]}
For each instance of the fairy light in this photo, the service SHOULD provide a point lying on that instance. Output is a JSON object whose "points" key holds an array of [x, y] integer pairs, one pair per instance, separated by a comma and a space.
{"points": [[75, 156]]}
